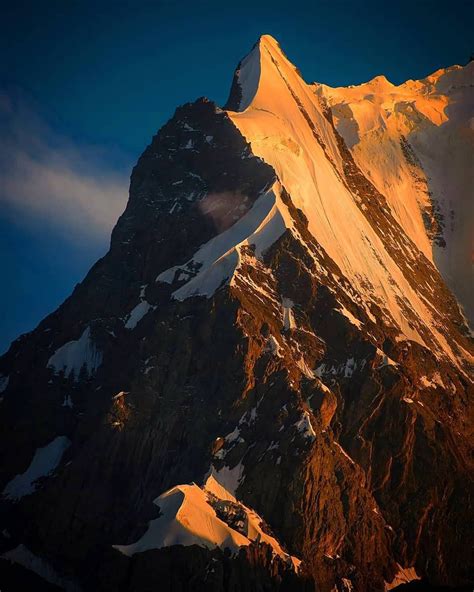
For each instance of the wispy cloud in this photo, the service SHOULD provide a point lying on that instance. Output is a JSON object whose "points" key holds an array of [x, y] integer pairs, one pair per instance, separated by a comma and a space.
{"points": [[46, 177]]}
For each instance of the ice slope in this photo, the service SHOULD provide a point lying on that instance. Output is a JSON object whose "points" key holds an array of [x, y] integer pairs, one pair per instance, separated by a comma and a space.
{"points": [[433, 119], [218, 259], [285, 125]]}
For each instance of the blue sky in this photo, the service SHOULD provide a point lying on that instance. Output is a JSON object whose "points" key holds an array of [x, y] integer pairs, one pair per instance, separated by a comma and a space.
{"points": [[84, 86]]}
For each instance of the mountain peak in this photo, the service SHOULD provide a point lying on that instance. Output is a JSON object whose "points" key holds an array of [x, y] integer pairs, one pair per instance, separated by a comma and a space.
{"points": [[268, 41], [265, 56], [380, 81]]}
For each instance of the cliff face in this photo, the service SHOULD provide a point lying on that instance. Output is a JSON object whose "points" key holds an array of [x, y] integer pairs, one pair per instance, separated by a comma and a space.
{"points": [[264, 385]]}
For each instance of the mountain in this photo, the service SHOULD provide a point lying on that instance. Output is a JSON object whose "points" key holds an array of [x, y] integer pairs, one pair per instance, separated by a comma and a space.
{"points": [[266, 383]]}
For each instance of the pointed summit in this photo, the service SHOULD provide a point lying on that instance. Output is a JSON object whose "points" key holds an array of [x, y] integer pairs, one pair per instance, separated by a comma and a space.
{"points": [[265, 55], [381, 82], [269, 42], [265, 38]]}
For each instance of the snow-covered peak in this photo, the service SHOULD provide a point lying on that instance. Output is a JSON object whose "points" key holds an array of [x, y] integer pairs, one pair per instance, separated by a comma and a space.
{"points": [[287, 127], [381, 82], [375, 235], [268, 40], [257, 73]]}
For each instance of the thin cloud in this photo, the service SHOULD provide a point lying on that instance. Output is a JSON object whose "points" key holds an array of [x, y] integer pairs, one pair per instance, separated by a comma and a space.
{"points": [[46, 177]]}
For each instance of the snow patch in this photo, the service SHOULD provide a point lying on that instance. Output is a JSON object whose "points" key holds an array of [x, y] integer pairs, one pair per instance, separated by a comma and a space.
{"points": [[273, 346], [404, 575], [75, 355], [137, 313], [213, 486], [304, 426], [229, 478], [21, 555], [234, 436], [4, 380], [350, 368], [218, 259], [45, 461], [249, 418]]}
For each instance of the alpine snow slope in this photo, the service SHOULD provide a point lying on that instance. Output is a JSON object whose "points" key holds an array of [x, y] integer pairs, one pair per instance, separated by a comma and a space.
{"points": [[266, 383]]}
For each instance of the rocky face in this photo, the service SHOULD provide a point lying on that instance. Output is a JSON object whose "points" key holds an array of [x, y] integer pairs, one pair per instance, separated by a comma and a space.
{"points": [[264, 319]]}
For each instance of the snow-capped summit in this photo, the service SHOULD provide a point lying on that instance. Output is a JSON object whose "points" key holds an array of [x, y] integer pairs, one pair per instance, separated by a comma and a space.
{"points": [[286, 123], [247, 77], [396, 134]]}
